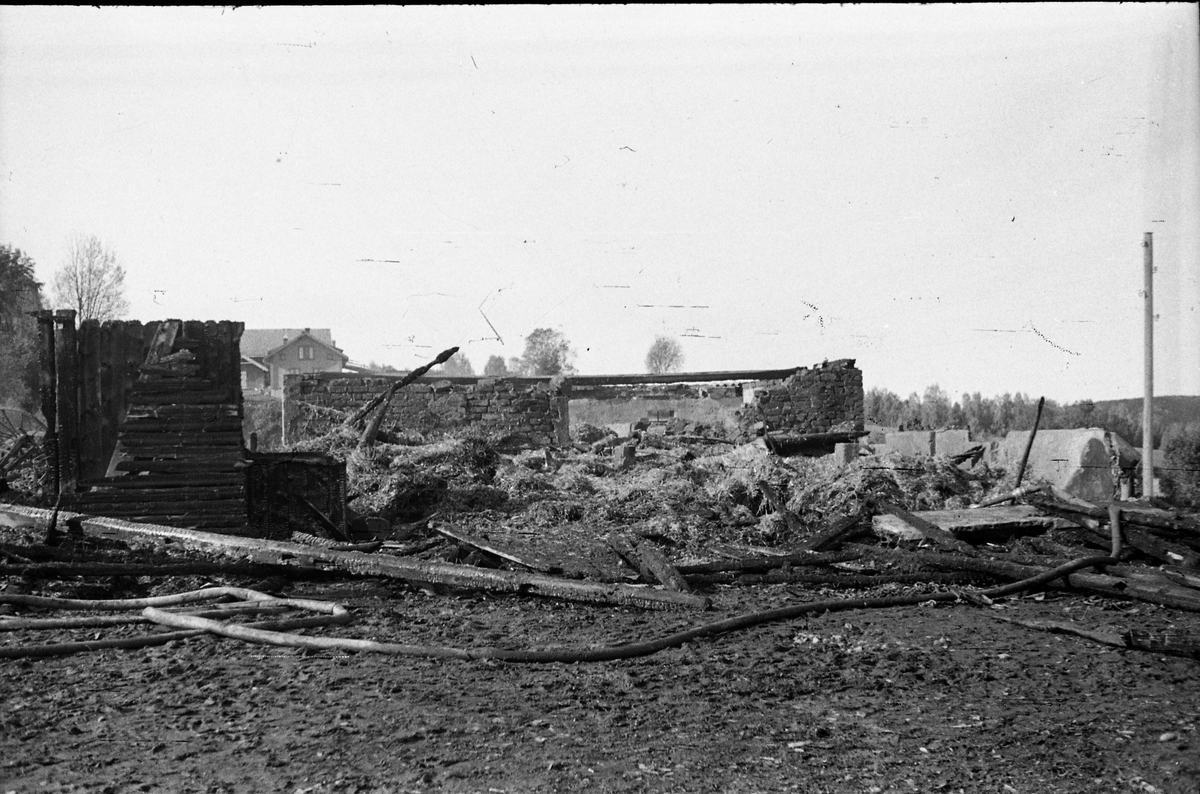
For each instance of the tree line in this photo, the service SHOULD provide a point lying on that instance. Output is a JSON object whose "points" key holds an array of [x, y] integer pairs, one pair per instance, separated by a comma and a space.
{"points": [[994, 417]]}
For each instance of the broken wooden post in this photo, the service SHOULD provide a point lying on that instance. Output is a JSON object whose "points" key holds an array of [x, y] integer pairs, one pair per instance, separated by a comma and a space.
{"points": [[650, 562], [48, 380], [1114, 520], [67, 393]]}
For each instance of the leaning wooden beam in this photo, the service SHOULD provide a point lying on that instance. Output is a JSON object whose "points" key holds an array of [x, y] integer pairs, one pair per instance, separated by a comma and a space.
{"points": [[418, 571], [361, 413], [470, 540], [837, 531]]}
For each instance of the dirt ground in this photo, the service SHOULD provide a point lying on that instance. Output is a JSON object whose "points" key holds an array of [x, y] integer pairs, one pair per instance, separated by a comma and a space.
{"points": [[934, 698]]}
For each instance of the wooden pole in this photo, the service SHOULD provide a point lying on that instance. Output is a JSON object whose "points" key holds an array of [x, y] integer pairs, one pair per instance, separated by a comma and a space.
{"points": [[49, 389], [1148, 399], [1037, 420], [67, 393]]}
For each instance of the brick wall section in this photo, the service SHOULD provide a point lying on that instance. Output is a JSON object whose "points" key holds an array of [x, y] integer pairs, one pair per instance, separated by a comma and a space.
{"points": [[827, 397], [524, 409]]}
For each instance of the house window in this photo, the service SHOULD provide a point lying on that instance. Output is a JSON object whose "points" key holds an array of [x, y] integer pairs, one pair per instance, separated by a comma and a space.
{"points": [[306, 352]]}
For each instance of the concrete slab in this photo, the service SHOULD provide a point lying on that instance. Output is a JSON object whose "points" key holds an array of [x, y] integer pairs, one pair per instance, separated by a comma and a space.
{"points": [[951, 442], [1078, 461], [911, 442]]}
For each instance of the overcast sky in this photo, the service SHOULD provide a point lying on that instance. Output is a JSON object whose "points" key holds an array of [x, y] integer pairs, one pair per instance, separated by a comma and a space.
{"points": [[948, 194]]}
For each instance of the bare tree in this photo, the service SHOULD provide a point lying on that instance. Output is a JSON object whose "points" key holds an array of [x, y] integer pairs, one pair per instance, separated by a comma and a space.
{"points": [[665, 355], [91, 282]]}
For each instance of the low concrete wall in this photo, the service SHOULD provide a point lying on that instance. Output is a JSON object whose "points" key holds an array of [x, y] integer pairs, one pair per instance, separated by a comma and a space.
{"points": [[918, 443]]}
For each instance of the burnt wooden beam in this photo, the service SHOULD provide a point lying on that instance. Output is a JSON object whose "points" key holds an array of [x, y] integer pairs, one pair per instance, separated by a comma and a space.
{"points": [[358, 563], [48, 381]]}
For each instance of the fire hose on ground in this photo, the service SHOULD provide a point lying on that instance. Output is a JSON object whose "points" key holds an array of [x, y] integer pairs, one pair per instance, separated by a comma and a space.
{"points": [[156, 610]]}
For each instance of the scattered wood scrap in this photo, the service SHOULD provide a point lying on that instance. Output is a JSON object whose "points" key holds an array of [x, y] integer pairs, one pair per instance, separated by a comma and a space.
{"points": [[651, 563]]}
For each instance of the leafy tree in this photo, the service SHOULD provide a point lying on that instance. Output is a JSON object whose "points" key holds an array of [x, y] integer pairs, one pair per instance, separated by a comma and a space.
{"points": [[1181, 480], [91, 281], [665, 355], [935, 408], [495, 367], [910, 413], [547, 352], [457, 365], [882, 407], [20, 293]]}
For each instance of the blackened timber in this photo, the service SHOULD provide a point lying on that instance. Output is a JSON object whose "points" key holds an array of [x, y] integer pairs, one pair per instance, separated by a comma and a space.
{"points": [[160, 508], [49, 386], [767, 563], [168, 494], [417, 571], [168, 481]]}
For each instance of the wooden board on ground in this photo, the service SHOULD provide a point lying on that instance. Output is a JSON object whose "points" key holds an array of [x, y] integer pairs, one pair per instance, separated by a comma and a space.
{"points": [[980, 525]]}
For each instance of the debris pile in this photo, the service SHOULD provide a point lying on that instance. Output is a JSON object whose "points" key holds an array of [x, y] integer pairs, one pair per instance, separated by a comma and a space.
{"points": [[664, 520]]}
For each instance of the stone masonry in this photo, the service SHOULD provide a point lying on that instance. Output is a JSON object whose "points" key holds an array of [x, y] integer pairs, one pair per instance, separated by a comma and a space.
{"points": [[526, 410], [825, 398]]}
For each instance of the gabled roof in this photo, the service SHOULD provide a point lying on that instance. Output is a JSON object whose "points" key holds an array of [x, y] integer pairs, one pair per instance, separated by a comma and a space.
{"points": [[258, 342], [305, 336], [256, 363]]}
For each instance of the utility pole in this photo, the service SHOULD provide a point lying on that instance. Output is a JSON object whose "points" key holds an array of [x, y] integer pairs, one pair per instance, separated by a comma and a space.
{"points": [[1148, 399]]}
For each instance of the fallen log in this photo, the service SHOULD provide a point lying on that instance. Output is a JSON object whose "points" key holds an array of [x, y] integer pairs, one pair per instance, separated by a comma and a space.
{"points": [[412, 570], [50, 570], [767, 563], [858, 581], [1171, 641]]}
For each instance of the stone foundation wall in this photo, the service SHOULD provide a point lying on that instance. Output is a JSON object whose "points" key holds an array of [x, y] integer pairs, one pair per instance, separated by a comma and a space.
{"points": [[534, 411], [824, 398], [527, 410]]}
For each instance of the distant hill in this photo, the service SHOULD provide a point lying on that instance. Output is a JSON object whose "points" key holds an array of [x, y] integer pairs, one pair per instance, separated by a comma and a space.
{"points": [[1167, 410]]}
